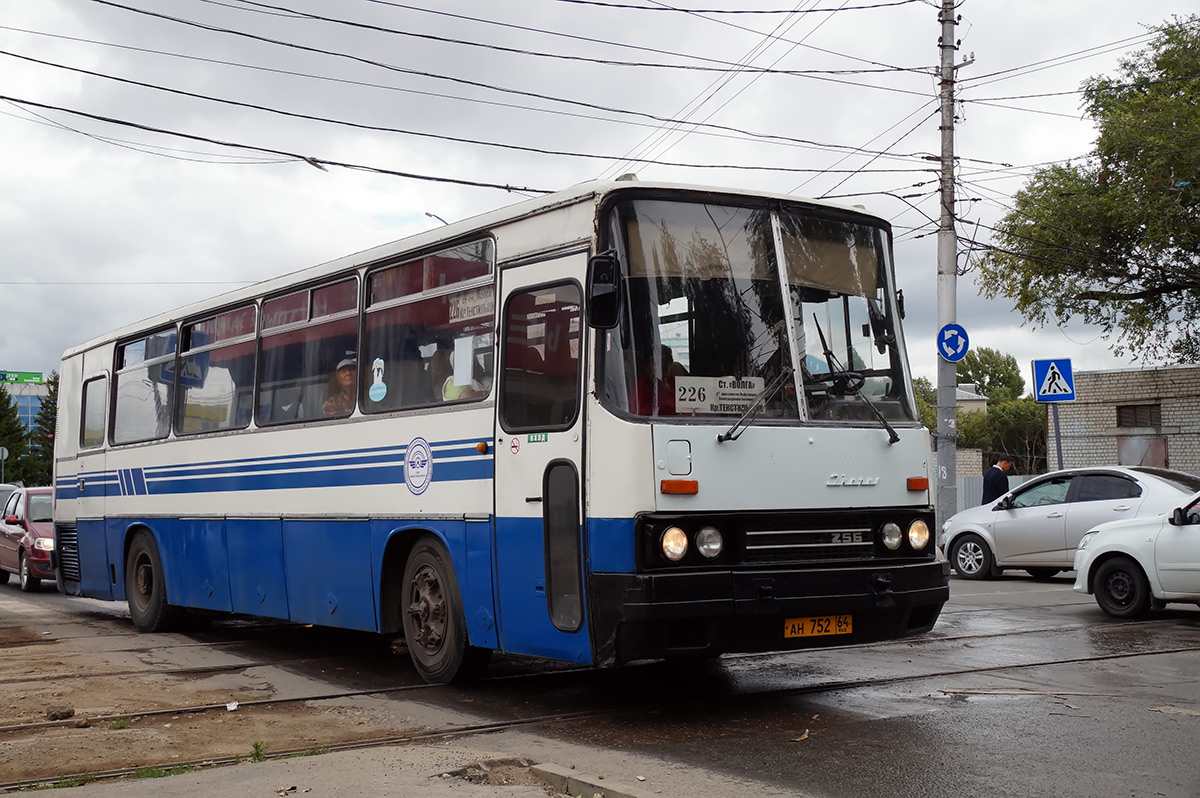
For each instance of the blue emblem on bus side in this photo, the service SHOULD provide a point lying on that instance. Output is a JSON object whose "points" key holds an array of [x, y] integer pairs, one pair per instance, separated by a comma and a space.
{"points": [[418, 466]]}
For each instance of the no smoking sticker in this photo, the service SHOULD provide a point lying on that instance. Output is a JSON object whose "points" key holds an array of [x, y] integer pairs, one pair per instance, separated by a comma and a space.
{"points": [[515, 446]]}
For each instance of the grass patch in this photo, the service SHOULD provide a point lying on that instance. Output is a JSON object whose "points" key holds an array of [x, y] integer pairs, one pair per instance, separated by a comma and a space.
{"points": [[68, 781], [307, 752], [258, 751], [119, 723]]}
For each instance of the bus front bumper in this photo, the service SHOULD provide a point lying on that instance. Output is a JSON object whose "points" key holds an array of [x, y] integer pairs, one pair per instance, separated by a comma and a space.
{"points": [[705, 613]]}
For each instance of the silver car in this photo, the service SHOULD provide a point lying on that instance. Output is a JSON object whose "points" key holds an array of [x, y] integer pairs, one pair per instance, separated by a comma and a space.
{"points": [[1037, 526]]}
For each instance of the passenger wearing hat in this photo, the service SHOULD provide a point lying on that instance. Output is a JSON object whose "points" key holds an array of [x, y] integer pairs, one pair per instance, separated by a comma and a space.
{"points": [[341, 387]]}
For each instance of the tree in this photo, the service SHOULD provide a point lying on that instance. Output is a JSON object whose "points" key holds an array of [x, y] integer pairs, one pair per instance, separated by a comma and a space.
{"points": [[12, 437], [39, 458], [1115, 239], [1016, 428], [995, 375], [926, 402]]}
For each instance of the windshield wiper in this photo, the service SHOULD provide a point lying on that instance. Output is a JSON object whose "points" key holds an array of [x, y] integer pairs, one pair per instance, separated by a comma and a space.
{"points": [[853, 375], [756, 407]]}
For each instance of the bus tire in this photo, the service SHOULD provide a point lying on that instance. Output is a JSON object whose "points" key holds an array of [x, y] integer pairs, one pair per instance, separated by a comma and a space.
{"points": [[435, 629], [146, 588]]}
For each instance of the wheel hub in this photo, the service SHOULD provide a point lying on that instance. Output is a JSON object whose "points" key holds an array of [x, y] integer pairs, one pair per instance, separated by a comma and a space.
{"points": [[427, 609], [970, 558]]}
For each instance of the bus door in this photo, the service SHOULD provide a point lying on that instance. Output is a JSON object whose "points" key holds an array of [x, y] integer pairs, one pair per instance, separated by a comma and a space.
{"points": [[539, 446]]}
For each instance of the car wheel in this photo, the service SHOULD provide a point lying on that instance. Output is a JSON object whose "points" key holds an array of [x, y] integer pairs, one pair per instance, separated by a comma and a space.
{"points": [[1121, 588], [435, 628], [1042, 573], [971, 557], [146, 588], [29, 583]]}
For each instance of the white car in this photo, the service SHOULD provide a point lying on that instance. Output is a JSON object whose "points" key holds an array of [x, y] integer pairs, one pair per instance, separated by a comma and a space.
{"points": [[1132, 566], [1037, 526]]}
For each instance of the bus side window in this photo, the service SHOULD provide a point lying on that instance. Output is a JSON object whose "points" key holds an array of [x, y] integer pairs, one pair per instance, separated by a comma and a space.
{"points": [[95, 402]]}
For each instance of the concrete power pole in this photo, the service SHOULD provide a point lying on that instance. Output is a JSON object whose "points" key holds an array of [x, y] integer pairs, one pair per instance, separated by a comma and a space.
{"points": [[946, 504]]}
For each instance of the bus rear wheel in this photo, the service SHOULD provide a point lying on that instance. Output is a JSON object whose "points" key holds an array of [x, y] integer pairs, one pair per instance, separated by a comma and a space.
{"points": [[145, 587], [435, 628]]}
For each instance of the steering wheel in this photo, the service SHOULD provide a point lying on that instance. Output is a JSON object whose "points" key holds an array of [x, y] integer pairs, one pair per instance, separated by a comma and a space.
{"points": [[842, 383]]}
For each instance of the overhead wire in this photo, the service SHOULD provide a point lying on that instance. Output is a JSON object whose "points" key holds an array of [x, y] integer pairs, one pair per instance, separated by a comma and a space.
{"points": [[719, 131], [416, 133], [648, 144], [723, 66], [738, 11], [312, 161]]}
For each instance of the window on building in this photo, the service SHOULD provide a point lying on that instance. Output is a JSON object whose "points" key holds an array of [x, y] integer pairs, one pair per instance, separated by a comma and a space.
{"points": [[145, 388], [309, 363], [430, 330], [216, 373], [95, 396], [1139, 416]]}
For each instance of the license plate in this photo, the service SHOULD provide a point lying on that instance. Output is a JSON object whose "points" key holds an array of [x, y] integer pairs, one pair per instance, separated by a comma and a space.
{"points": [[818, 625]]}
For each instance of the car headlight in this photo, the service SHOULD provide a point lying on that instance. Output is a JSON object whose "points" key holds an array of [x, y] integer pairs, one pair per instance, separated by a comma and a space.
{"points": [[44, 544], [891, 536], [1086, 539], [709, 542], [674, 544], [918, 534]]}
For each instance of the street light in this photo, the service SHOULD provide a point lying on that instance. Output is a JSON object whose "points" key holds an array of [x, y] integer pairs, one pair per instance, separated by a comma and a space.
{"points": [[435, 216]]}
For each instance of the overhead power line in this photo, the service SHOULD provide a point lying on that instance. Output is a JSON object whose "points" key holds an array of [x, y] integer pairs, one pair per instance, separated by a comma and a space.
{"points": [[722, 66], [718, 131], [737, 11], [318, 162], [420, 133]]}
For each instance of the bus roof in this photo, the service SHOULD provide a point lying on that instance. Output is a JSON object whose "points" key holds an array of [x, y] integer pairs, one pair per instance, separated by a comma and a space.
{"points": [[581, 192]]}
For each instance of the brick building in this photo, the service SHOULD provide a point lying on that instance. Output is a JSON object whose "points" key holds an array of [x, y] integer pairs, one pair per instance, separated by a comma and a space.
{"points": [[1130, 417]]}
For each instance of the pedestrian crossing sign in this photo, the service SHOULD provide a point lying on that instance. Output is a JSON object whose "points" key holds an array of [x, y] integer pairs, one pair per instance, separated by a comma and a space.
{"points": [[1053, 380]]}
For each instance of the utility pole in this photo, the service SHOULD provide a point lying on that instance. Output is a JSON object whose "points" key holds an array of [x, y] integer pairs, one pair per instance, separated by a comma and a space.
{"points": [[946, 504]]}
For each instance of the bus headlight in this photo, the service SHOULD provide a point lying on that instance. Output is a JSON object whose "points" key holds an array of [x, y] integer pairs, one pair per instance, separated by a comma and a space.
{"points": [[674, 544], [918, 534], [892, 536], [709, 542]]}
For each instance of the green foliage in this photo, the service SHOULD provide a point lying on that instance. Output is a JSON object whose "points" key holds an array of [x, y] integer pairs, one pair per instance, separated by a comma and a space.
{"points": [[1115, 240], [119, 723], [12, 437], [258, 751], [994, 374], [39, 457], [926, 402], [1016, 428]]}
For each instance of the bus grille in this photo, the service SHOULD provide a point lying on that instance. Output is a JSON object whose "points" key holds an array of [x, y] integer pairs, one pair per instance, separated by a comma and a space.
{"points": [[67, 544], [808, 545]]}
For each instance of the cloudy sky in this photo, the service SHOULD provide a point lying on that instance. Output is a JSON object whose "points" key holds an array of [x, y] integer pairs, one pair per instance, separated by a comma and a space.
{"points": [[104, 221]]}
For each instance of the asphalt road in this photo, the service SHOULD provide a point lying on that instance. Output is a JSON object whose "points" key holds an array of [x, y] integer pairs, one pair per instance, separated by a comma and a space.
{"points": [[1024, 688]]}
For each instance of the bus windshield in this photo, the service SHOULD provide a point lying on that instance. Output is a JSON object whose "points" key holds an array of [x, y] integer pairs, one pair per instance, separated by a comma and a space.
{"points": [[720, 300]]}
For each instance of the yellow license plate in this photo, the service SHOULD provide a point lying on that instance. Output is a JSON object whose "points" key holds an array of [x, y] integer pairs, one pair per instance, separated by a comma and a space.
{"points": [[818, 625]]}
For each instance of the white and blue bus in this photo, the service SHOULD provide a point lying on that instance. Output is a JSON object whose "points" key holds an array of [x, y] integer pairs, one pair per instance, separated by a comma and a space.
{"points": [[627, 420]]}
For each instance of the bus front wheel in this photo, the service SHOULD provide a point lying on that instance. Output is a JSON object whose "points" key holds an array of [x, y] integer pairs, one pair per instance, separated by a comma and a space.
{"points": [[435, 628], [145, 587]]}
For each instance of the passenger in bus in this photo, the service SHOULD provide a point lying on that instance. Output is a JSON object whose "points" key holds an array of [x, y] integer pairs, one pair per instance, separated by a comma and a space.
{"points": [[654, 391], [340, 399], [441, 369]]}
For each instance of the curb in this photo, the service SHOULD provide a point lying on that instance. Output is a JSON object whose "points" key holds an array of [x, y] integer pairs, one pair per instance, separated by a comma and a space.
{"points": [[571, 782]]}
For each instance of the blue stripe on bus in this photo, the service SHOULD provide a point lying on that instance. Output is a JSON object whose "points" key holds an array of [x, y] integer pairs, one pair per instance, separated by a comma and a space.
{"points": [[322, 460], [453, 471]]}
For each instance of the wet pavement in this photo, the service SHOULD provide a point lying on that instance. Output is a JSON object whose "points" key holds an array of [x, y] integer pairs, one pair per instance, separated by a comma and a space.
{"points": [[1024, 688]]}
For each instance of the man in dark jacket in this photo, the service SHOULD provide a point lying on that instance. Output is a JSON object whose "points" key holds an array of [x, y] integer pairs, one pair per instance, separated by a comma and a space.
{"points": [[995, 479]]}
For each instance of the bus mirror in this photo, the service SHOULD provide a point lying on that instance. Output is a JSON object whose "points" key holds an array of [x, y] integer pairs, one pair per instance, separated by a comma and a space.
{"points": [[603, 290]]}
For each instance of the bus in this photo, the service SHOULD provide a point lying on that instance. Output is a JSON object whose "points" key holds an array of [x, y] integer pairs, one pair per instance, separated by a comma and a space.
{"points": [[625, 421]]}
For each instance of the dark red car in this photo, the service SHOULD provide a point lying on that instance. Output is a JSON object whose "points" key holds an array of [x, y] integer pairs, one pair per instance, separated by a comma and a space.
{"points": [[27, 537]]}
